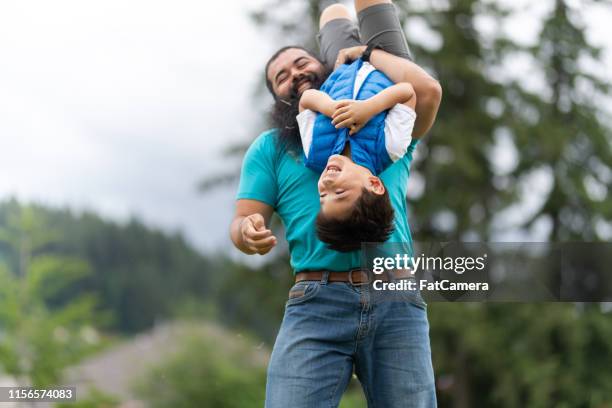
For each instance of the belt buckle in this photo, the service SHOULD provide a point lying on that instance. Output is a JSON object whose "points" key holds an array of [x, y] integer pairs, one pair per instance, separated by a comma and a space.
{"points": [[350, 278]]}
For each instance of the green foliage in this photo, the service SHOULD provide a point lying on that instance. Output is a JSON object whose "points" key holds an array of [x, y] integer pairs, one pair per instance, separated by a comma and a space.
{"points": [[206, 374], [254, 297], [136, 273], [40, 332], [353, 397], [94, 399], [214, 368], [459, 195], [562, 127], [535, 355], [550, 115]]}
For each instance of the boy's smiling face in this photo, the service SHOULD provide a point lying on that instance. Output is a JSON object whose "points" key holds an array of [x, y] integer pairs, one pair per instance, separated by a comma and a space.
{"points": [[342, 183]]}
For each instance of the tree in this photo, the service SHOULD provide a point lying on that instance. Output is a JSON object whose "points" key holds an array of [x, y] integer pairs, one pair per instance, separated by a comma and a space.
{"points": [[41, 332], [562, 128], [458, 199], [138, 274]]}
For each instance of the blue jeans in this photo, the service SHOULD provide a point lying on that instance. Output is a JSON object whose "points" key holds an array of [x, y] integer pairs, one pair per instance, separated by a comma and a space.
{"points": [[329, 328]]}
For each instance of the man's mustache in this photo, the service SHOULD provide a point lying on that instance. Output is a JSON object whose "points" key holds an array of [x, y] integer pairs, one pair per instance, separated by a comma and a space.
{"points": [[310, 77]]}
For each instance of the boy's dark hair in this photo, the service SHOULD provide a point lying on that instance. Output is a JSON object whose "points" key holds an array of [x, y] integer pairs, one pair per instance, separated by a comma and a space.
{"points": [[371, 220], [276, 54]]}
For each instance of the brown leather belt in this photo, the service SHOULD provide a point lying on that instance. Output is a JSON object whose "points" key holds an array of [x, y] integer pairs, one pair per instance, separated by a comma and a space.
{"points": [[354, 277]]}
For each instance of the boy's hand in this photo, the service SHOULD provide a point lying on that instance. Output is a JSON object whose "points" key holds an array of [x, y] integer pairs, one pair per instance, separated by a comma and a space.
{"points": [[352, 114], [346, 55]]}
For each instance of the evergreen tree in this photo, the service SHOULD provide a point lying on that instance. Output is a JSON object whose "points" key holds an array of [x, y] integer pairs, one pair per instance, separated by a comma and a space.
{"points": [[563, 130], [40, 331], [454, 163], [140, 275]]}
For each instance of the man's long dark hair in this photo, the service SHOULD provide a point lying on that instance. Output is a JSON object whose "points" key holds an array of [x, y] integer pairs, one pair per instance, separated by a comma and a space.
{"points": [[284, 110]]}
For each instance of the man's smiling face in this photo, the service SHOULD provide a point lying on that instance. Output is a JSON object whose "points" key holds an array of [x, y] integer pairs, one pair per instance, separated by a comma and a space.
{"points": [[293, 71]]}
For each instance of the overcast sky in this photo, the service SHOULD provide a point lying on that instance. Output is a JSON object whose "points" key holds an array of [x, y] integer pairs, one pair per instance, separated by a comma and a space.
{"points": [[122, 106]]}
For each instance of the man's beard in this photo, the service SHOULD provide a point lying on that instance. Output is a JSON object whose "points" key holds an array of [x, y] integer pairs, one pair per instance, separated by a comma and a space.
{"points": [[285, 110]]}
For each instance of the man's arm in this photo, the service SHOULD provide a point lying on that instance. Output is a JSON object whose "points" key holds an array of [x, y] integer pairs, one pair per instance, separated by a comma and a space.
{"points": [[248, 229], [428, 90]]}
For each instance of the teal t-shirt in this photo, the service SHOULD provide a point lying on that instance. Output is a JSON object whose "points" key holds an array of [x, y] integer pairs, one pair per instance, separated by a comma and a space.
{"points": [[283, 182]]}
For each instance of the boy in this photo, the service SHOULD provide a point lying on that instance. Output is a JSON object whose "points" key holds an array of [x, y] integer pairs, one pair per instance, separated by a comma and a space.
{"points": [[364, 123]]}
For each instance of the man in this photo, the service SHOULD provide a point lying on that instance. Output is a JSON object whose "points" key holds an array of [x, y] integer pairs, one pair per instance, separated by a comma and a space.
{"points": [[330, 326]]}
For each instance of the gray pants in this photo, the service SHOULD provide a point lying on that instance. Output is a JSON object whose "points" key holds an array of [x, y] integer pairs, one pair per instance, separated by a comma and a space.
{"points": [[378, 24]]}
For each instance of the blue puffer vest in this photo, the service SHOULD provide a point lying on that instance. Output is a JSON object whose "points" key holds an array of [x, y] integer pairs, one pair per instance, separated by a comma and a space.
{"points": [[368, 145]]}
